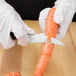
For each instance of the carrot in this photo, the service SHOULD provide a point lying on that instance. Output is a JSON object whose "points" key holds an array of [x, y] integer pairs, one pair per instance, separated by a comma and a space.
{"points": [[50, 31], [12, 74]]}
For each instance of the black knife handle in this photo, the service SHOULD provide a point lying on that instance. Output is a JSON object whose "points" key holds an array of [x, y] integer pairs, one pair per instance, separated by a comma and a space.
{"points": [[13, 36]]}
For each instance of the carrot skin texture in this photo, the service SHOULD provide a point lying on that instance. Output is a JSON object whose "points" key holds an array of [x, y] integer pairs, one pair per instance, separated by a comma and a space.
{"points": [[44, 59], [50, 31]]}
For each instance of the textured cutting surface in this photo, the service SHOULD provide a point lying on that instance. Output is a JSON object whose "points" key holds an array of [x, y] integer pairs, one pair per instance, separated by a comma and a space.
{"points": [[24, 59]]}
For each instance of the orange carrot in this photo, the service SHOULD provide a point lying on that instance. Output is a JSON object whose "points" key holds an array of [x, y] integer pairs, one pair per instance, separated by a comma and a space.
{"points": [[12, 74], [50, 31]]}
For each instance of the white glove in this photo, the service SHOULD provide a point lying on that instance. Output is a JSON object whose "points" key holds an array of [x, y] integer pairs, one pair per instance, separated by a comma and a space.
{"points": [[10, 21], [65, 10]]}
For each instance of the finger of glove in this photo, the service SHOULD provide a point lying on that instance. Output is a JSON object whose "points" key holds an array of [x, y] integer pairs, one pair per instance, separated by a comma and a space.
{"points": [[20, 32], [9, 44], [59, 16], [28, 29], [5, 39], [64, 26], [60, 34], [42, 18]]}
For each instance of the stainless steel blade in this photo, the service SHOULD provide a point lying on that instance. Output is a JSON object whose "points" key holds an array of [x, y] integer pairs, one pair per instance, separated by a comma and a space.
{"points": [[41, 38]]}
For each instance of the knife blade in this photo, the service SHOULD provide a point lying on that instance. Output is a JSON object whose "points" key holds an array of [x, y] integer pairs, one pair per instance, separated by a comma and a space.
{"points": [[41, 38]]}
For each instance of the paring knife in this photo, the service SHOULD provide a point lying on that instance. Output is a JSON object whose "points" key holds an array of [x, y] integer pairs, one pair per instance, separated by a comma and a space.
{"points": [[41, 38]]}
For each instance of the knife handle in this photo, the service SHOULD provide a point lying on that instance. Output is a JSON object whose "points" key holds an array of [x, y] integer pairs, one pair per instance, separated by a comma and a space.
{"points": [[13, 36]]}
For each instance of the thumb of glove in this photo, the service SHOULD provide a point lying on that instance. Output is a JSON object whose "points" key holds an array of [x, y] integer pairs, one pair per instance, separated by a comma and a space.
{"points": [[59, 16]]}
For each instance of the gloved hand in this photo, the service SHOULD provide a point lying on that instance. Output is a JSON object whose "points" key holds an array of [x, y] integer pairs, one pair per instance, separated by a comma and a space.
{"points": [[65, 10], [10, 21]]}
